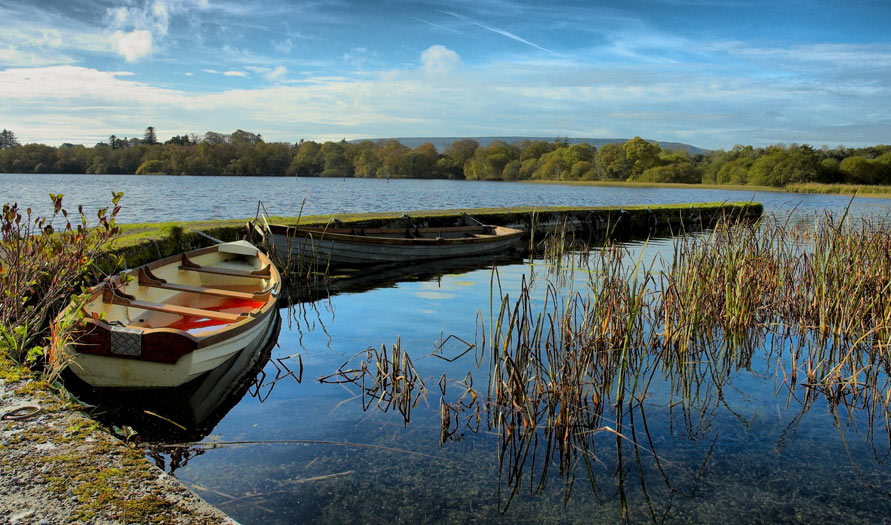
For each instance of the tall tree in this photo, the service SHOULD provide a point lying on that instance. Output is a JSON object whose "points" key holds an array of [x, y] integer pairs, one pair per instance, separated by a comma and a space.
{"points": [[8, 140], [149, 136]]}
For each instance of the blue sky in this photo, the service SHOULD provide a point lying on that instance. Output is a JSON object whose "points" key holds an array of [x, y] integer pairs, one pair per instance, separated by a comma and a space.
{"points": [[708, 73]]}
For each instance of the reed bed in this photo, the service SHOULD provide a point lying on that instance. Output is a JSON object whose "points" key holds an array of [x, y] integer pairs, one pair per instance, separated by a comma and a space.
{"points": [[565, 367]]}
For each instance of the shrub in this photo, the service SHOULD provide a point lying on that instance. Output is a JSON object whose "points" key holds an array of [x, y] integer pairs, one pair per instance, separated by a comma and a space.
{"points": [[40, 270]]}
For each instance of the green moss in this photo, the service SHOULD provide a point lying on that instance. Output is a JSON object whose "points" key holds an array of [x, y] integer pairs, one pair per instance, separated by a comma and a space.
{"points": [[83, 426], [148, 509], [12, 372], [31, 388]]}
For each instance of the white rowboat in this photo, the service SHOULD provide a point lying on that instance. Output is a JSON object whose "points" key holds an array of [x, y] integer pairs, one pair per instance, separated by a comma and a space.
{"points": [[165, 323]]}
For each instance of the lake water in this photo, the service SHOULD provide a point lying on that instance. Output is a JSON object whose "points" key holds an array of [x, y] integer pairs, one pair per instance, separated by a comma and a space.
{"points": [[151, 198], [738, 448]]}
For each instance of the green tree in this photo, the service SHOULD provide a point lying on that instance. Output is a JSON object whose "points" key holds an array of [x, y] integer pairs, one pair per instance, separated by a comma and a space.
{"points": [[180, 140], [240, 136], [8, 140], [149, 136], [612, 163], [461, 151], [308, 162], [530, 149], [367, 161], [582, 170], [734, 172], [641, 154], [782, 166], [336, 163], [679, 172], [858, 170]]}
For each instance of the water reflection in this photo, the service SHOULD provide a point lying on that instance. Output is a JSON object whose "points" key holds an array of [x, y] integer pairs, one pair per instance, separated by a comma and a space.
{"points": [[528, 396]]}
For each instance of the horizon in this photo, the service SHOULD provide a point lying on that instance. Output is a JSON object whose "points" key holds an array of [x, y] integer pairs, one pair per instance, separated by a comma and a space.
{"points": [[704, 73]]}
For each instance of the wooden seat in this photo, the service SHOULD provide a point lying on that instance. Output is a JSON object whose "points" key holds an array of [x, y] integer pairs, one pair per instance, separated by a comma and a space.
{"points": [[262, 273], [113, 295], [146, 278]]}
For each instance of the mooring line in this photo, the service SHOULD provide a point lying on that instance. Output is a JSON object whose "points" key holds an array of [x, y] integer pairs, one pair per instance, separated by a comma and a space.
{"points": [[299, 442], [21, 413]]}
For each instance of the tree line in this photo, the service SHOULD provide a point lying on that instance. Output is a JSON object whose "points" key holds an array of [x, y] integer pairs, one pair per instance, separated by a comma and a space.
{"points": [[243, 153]]}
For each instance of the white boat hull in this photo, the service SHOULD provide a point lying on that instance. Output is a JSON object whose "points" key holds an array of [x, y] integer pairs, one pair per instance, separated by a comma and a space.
{"points": [[104, 371]]}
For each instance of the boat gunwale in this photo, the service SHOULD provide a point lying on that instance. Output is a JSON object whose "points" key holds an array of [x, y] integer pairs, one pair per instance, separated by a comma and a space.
{"points": [[338, 234]]}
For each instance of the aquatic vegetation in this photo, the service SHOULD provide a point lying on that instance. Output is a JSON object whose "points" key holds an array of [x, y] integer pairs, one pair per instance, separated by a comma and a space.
{"points": [[566, 367], [388, 379]]}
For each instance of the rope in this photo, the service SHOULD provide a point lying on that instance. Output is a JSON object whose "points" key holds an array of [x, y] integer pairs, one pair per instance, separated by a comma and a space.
{"points": [[21, 413], [206, 236]]}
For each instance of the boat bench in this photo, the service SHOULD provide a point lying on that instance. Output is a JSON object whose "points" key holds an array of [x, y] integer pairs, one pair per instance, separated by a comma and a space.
{"points": [[188, 265], [113, 295], [147, 278]]}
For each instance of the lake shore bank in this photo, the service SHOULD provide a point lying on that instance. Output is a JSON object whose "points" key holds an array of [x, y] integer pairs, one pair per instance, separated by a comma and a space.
{"points": [[60, 466]]}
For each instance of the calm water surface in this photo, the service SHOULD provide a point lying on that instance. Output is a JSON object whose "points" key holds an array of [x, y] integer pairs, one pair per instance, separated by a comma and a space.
{"points": [[152, 198], [738, 449]]}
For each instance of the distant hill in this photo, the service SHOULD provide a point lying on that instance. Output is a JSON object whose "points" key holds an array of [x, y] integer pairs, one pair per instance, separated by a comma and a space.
{"points": [[442, 143]]}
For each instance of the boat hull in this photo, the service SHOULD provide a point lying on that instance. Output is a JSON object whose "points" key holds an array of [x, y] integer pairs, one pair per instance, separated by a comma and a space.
{"points": [[321, 247], [107, 371]]}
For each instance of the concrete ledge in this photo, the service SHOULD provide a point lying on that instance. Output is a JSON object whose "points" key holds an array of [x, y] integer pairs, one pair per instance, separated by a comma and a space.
{"points": [[147, 242]]}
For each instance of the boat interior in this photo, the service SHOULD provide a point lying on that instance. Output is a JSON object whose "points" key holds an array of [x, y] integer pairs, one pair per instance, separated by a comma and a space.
{"points": [[192, 293], [456, 232]]}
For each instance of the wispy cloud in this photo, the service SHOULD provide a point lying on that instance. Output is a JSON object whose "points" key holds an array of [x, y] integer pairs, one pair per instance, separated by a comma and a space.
{"points": [[439, 26], [504, 33]]}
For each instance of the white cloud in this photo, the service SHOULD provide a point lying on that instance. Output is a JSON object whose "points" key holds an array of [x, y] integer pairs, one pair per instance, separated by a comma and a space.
{"points": [[277, 73], [132, 46], [439, 59], [61, 83], [241, 74]]}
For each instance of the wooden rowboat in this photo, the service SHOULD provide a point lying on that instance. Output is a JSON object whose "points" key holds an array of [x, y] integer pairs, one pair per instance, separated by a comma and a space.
{"points": [[165, 323], [365, 246]]}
